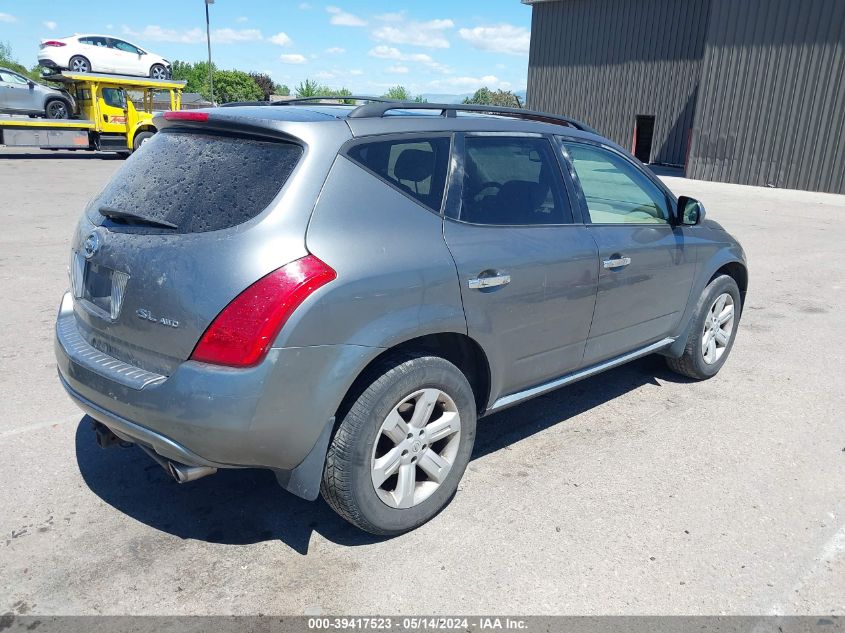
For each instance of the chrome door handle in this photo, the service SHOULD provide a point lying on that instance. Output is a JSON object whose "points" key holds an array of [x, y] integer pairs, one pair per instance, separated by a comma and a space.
{"points": [[477, 283], [616, 263]]}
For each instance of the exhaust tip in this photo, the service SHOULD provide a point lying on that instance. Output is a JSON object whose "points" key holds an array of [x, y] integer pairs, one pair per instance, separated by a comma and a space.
{"points": [[183, 474]]}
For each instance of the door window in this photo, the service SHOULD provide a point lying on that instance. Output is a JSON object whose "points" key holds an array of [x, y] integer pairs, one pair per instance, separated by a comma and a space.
{"points": [[114, 97], [93, 41], [415, 166], [615, 190], [124, 46], [12, 78], [512, 181]]}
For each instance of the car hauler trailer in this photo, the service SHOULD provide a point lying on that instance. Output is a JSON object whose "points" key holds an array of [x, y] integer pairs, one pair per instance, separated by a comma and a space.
{"points": [[114, 114]]}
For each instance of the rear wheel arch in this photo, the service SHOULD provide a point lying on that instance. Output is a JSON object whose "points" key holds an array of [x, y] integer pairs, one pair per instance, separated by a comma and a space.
{"points": [[457, 348]]}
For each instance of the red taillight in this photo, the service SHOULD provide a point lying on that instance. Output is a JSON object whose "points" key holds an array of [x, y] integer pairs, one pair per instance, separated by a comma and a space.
{"points": [[182, 115], [52, 43], [246, 328]]}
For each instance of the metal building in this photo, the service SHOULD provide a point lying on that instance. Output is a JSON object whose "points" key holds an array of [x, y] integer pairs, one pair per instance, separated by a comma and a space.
{"points": [[744, 91]]}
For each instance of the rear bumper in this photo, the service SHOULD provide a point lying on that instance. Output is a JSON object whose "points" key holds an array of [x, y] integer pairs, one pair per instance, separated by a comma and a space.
{"points": [[268, 416]]}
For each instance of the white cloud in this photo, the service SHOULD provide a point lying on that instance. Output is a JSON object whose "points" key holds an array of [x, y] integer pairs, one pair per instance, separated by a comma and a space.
{"points": [[356, 71], [50, 25], [242, 19], [470, 83], [5, 17], [398, 70], [342, 18], [502, 38], [229, 36], [304, 6], [391, 17], [389, 52], [293, 58], [335, 50], [429, 34], [155, 33], [281, 38]]}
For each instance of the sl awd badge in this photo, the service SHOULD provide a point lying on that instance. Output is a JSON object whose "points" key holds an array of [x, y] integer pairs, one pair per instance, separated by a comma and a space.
{"points": [[146, 315]]}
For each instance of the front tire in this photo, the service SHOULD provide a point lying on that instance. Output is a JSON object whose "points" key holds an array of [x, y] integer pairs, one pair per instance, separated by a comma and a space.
{"points": [[713, 330], [140, 139], [56, 109], [402, 446], [79, 64]]}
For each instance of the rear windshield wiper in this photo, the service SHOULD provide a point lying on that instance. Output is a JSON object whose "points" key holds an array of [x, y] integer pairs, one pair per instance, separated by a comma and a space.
{"points": [[134, 218]]}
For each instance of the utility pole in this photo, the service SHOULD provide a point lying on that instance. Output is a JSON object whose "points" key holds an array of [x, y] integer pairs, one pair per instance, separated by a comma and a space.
{"points": [[208, 39]]}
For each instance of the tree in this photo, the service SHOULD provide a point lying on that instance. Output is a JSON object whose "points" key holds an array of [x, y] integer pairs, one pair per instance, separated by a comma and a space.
{"points": [[401, 93], [281, 89], [195, 74], [310, 88], [7, 60], [235, 85], [485, 96], [264, 82]]}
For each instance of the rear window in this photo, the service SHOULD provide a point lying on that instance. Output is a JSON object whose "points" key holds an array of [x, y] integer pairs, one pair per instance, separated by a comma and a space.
{"points": [[197, 182]]}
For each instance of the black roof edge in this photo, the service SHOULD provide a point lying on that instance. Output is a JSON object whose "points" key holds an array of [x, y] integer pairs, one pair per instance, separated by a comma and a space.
{"points": [[379, 109], [334, 98]]}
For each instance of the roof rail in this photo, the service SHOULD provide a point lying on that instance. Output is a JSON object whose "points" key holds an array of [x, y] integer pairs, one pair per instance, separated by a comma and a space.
{"points": [[333, 98], [375, 110]]}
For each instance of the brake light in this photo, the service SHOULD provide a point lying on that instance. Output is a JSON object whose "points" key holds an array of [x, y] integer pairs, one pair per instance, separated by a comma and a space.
{"points": [[52, 43], [243, 332], [182, 115]]}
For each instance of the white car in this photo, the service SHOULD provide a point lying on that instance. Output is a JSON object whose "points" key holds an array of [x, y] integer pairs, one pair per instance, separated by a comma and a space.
{"points": [[101, 54]]}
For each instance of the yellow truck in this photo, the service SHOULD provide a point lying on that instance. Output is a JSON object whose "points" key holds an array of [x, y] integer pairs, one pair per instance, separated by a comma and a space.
{"points": [[114, 114]]}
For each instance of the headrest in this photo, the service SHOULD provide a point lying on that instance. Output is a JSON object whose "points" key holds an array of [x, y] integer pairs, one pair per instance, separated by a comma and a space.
{"points": [[414, 164]]}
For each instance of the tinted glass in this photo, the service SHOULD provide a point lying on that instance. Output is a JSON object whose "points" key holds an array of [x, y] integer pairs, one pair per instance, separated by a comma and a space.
{"points": [[616, 191], [417, 166], [124, 46], [198, 182], [12, 78], [514, 181], [114, 97]]}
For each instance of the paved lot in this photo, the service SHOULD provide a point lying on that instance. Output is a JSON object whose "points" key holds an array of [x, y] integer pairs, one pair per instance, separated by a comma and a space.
{"points": [[632, 492]]}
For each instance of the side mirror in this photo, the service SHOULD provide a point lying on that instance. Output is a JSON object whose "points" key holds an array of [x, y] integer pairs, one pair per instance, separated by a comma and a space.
{"points": [[690, 211], [31, 83]]}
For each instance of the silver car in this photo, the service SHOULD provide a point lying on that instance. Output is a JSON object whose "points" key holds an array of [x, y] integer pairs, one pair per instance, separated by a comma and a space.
{"points": [[21, 95], [337, 293]]}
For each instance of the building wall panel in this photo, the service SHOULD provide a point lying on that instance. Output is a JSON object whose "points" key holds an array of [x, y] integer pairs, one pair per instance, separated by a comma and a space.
{"points": [[771, 103], [606, 61]]}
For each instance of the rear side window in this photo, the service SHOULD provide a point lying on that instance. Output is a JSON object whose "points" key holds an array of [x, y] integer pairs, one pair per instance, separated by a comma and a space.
{"points": [[415, 166], [512, 181], [197, 182]]}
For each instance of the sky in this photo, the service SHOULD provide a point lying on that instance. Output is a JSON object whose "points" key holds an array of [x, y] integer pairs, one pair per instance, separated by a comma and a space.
{"points": [[431, 47]]}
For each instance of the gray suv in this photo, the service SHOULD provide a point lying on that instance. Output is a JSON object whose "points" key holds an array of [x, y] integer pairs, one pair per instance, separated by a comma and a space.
{"points": [[337, 292], [21, 95]]}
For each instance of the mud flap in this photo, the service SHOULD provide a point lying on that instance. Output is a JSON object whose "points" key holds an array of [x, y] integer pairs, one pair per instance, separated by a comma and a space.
{"points": [[304, 480]]}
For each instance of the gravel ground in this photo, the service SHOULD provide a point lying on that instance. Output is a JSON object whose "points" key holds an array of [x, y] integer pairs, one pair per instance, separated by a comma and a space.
{"points": [[633, 492]]}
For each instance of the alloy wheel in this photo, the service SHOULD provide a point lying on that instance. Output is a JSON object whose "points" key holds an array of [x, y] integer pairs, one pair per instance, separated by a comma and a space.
{"points": [[159, 72], [718, 328], [79, 66], [415, 448], [57, 110]]}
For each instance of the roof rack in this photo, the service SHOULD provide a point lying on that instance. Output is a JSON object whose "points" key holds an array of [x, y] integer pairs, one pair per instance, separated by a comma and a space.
{"points": [[379, 109], [334, 99]]}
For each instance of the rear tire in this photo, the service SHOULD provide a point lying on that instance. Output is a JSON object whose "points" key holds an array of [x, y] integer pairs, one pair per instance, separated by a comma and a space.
{"points": [[713, 330], [159, 72], [79, 64], [56, 109], [140, 139], [412, 428]]}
